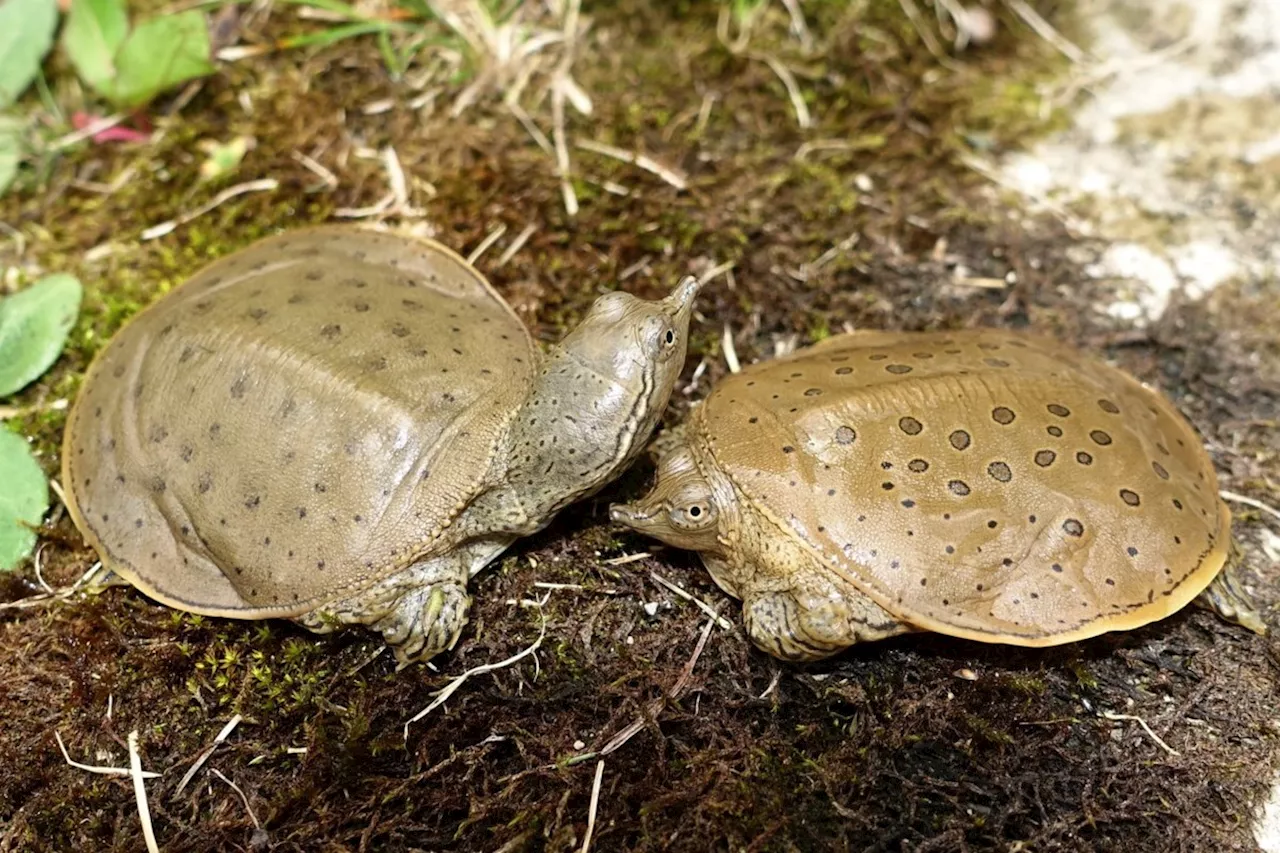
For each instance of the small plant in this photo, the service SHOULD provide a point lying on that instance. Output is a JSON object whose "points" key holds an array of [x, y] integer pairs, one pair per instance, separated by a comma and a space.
{"points": [[33, 330], [127, 64]]}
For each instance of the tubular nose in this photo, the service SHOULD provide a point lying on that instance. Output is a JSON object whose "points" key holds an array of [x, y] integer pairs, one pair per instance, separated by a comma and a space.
{"points": [[685, 292]]}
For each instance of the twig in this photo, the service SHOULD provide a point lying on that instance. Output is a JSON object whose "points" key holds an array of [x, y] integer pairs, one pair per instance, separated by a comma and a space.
{"points": [[516, 245], [243, 798], [702, 605], [595, 802], [1248, 501], [489, 240], [140, 793], [208, 751], [449, 689], [313, 166], [221, 198], [94, 768], [617, 741], [798, 27], [91, 129], [1146, 728], [718, 269], [672, 176]]}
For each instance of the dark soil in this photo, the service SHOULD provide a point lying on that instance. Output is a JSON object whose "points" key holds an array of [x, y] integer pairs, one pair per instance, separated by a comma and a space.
{"points": [[922, 743]]}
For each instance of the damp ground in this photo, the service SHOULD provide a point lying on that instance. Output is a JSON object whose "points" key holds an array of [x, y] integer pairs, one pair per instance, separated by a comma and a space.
{"points": [[874, 216]]}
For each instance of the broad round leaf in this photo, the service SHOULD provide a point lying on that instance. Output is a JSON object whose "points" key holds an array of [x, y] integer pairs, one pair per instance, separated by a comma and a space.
{"points": [[33, 328], [26, 34], [23, 500]]}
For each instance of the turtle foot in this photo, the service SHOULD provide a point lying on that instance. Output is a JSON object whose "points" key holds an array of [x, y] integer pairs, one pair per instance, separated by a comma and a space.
{"points": [[1226, 597]]}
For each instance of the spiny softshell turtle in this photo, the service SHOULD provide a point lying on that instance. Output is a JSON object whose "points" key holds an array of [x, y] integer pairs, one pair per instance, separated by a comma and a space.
{"points": [[339, 426], [984, 484]]}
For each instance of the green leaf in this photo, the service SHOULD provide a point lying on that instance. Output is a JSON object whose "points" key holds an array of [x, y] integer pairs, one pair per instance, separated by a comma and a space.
{"points": [[26, 34], [92, 36], [10, 150], [33, 329], [23, 500], [161, 53]]}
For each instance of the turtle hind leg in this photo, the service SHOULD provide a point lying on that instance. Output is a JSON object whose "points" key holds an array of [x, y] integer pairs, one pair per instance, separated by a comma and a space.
{"points": [[419, 611], [1227, 597]]}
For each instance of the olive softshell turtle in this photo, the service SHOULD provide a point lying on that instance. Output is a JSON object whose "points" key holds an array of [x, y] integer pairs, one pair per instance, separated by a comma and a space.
{"points": [[341, 426], [990, 485]]}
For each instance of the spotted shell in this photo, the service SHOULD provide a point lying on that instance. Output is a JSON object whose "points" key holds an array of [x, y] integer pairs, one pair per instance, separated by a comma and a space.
{"points": [[296, 421], [983, 484]]}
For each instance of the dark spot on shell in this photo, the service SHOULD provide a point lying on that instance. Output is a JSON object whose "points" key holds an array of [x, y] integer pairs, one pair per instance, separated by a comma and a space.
{"points": [[1000, 471], [400, 330], [1060, 411], [302, 512], [887, 486], [1073, 527], [1130, 497], [1054, 431], [958, 487], [1160, 471], [918, 466], [185, 453], [258, 314], [845, 435], [361, 306], [321, 487], [995, 362], [1057, 567], [1084, 458], [909, 425], [898, 369], [908, 503], [959, 439], [1131, 551], [786, 448], [330, 331], [991, 524], [1177, 504], [205, 483], [296, 299], [118, 372], [1109, 407], [158, 485], [1100, 437], [238, 388], [1044, 458], [813, 392], [843, 371], [878, 357], [1002, 415], [252, 502], [314, 275], [157, 434], [950, 549], [753, 420], [186, 354]]}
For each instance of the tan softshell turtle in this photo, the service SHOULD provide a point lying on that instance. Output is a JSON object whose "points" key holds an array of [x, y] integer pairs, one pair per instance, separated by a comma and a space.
{"points": [[339, 426], [983, 484]]}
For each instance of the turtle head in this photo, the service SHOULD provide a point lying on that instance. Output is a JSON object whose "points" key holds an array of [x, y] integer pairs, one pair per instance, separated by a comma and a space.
{"points": [[681, 509], [638, 343]]}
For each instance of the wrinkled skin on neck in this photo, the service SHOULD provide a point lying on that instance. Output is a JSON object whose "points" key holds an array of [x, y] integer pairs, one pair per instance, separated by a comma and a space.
{"points": [[595, 403]]}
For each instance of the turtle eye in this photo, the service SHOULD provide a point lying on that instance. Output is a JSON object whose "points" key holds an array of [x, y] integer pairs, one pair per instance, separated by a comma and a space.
{"points": [[669, 338]]}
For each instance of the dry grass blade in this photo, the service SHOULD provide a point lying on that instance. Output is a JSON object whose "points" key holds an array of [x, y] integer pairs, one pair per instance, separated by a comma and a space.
{"points": [[1248, 501], [140, 793], [1146, 728], [595, 804], [264, 185], [701, 605], [516, 245], [1046, 31], [793, 89], [730, 351], [489, 240], [672, 176], [208, 751], [243, 798], [94, 768], [452, 687], [56, 594]]}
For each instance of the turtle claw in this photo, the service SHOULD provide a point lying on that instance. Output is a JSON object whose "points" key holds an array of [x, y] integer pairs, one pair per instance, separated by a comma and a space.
{"points": [[1226, 597]]}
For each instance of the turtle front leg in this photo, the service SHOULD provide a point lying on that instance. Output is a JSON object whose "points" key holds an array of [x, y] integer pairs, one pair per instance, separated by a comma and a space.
{"points": [[812, 617], [420, 611]]}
